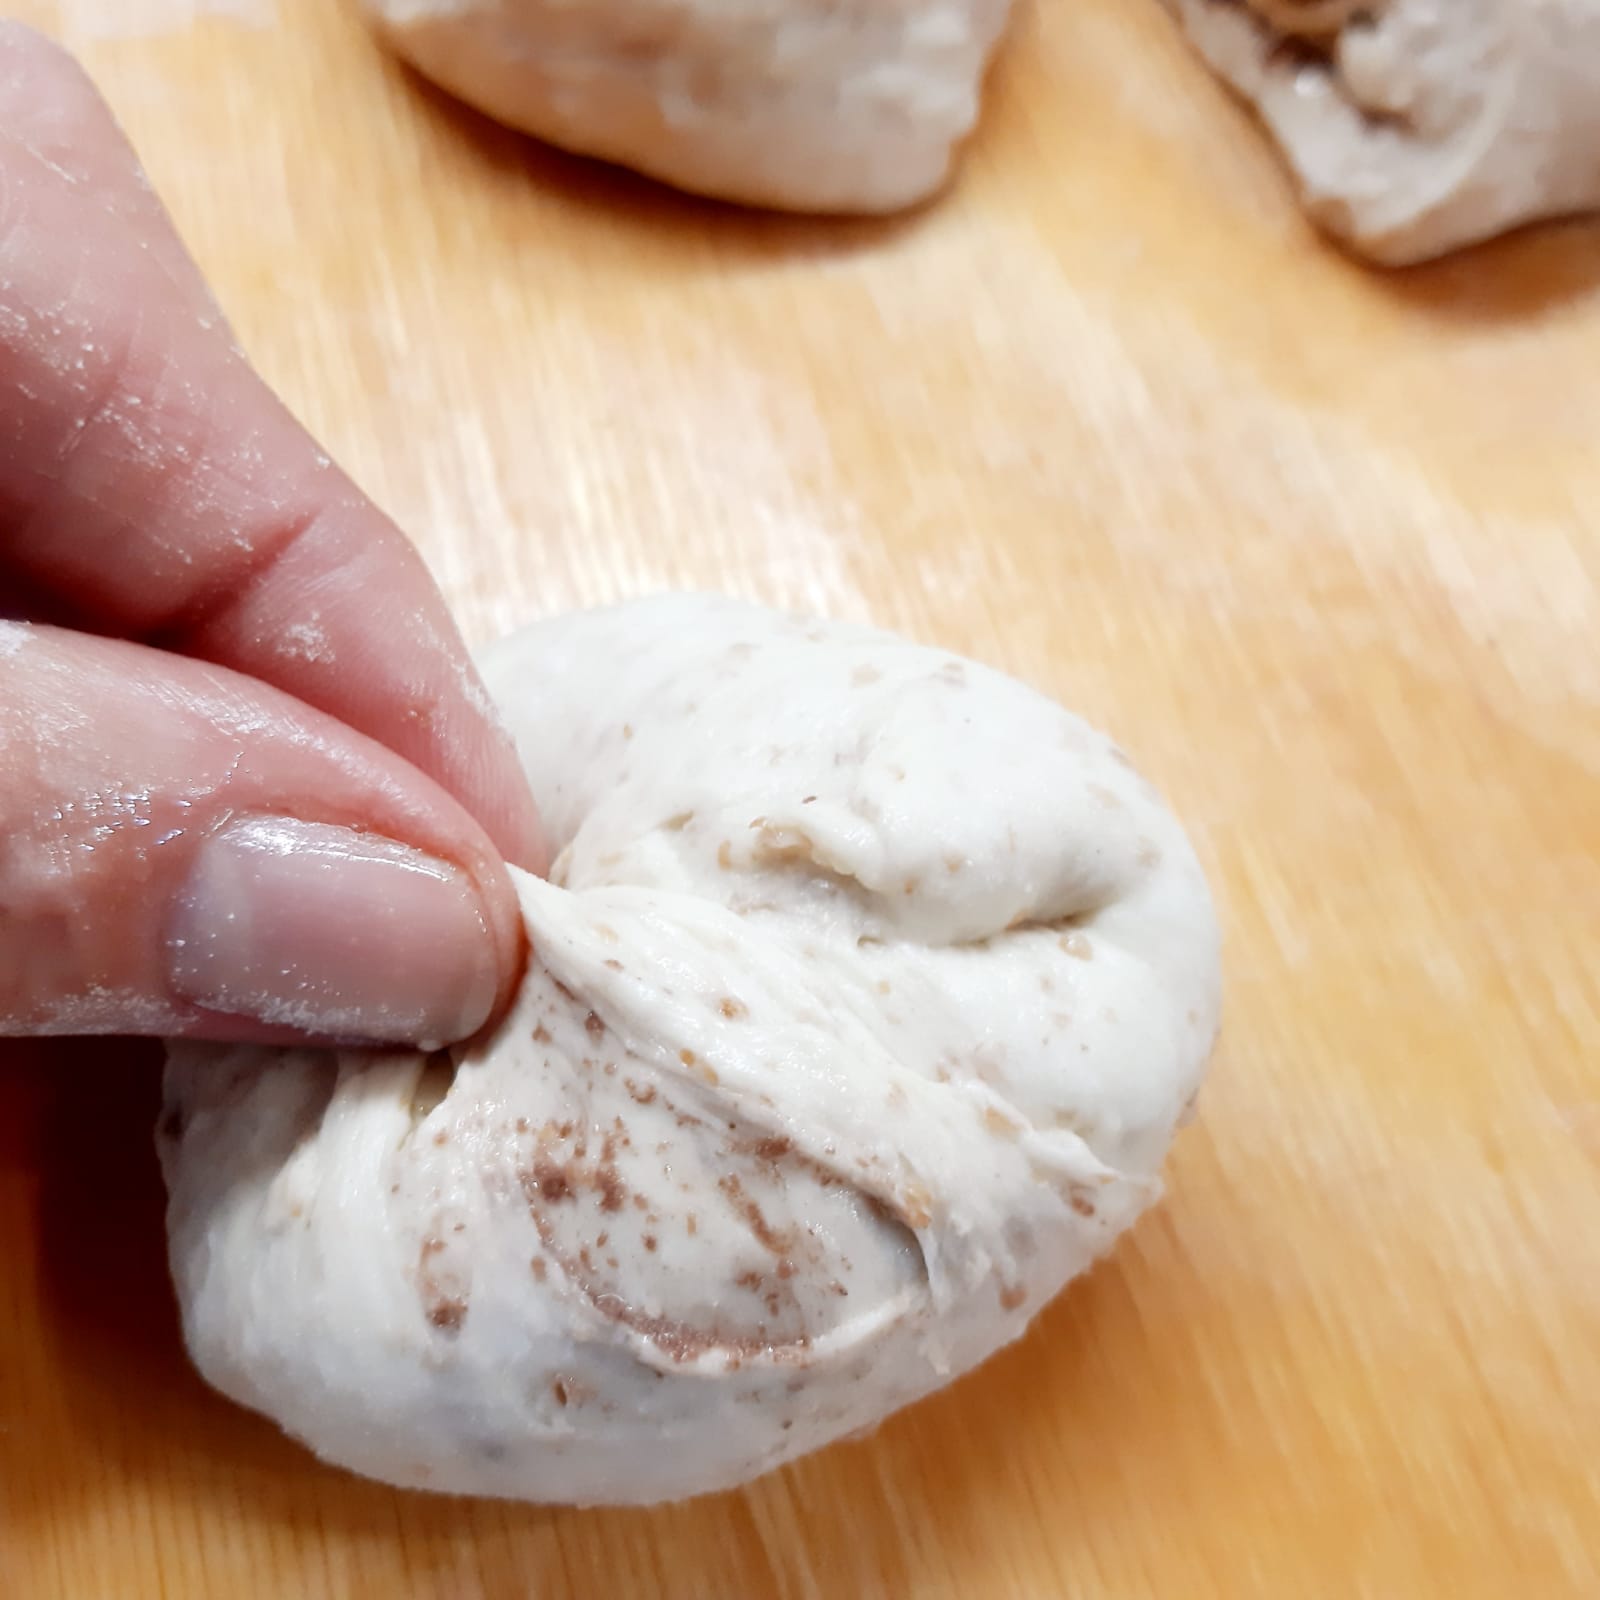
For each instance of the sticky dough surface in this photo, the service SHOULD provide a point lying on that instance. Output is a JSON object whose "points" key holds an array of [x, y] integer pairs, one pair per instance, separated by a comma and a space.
{"points": [[870, 987]]}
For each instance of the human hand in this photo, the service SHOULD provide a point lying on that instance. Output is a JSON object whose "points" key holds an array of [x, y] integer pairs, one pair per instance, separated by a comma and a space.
{"points": [[250, 783]]}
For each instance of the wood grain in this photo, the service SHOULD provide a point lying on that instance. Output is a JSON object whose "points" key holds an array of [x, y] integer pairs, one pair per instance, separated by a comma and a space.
{"points": [[1319, 545]]}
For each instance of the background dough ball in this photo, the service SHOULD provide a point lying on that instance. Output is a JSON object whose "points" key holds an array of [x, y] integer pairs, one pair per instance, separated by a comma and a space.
{"points": [[805, 105], [870, 987], [1417, 126]]}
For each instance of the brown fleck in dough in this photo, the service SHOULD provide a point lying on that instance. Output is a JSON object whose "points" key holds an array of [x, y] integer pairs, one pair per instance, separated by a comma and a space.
{"points": [[447, 1315], [916, 1203], [997, 1122], [548, 1182], [1414, 127], [443, 1290]]}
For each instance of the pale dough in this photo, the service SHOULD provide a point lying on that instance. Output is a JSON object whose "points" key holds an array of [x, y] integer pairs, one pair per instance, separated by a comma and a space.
{"points": [[870, 987], [803, 105], [1414, 127]]}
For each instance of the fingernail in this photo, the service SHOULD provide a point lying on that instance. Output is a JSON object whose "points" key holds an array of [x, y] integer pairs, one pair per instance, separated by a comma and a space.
{"points": [[309, 925]]}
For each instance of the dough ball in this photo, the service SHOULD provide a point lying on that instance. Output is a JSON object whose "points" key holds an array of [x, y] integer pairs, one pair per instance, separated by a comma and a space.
{"points": [[1414, 126], [869, 989], [804, 105]]}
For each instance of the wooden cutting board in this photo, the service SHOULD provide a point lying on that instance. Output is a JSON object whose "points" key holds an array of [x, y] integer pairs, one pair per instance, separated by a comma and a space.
{"points": [[1321, 546]]}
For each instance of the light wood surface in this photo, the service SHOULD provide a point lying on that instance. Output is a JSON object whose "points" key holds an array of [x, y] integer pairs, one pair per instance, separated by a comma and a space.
{"points": [[1322, 547]]}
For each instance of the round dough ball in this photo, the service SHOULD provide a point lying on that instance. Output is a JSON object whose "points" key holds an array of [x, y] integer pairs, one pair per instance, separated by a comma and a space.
{"points": [[803, 105], [869, 988]]}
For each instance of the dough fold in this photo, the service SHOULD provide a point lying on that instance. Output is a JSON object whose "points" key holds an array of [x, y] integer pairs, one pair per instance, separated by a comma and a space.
{"points": [[869, 989]]}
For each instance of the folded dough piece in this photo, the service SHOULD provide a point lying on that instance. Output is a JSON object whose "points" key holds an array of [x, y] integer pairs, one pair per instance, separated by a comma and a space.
{"points": [[1416, 126], [869, 989], [803, 105]]}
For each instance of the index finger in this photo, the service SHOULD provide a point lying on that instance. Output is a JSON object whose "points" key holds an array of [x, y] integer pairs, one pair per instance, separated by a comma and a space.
{"points": [[154, 488]]}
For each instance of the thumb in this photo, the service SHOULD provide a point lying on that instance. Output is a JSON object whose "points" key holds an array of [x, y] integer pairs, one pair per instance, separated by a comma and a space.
{"points": [[184, 850]]}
